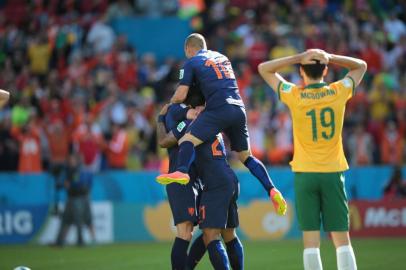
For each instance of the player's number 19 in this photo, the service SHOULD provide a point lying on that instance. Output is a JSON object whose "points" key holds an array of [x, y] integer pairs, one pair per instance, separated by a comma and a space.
{"points": [[326, 117]]}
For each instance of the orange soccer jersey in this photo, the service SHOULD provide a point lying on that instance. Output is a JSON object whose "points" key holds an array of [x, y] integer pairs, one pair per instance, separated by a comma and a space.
{"points": [[317, 112]]}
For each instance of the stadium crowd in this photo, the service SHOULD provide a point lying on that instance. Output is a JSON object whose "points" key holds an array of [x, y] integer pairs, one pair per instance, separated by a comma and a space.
{"points": [[78, 86]]}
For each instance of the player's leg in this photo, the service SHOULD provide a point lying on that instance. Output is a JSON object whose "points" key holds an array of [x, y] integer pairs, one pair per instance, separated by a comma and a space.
{"points": [[213, 216], [311, 252], [239, 141], [196, 253], [182, 201], [234, 248], [344, 251], [217, 253], [206, 126], [307, 204], [336, 218], [180, 245]]}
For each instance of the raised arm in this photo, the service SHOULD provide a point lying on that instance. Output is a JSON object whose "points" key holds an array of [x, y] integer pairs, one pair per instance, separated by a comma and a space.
{"points": [[356, 66], [4, 97], [165, 139], [268, 70]]}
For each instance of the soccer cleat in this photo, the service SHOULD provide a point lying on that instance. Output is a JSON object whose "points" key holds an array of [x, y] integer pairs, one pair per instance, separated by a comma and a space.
{"points": [[175, 177], [278, 202]]}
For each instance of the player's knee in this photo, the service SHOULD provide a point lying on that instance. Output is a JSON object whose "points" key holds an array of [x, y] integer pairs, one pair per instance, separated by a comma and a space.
{"points": [[340, 239], [210, 235], [228, 234], [185, 231], [311, 239]]}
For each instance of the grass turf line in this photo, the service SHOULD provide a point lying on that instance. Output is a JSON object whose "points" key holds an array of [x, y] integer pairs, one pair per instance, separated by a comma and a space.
{"points": [[382, 253]]}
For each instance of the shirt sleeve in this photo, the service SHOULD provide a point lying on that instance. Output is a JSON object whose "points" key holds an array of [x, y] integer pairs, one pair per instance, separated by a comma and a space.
{"points": [[178, 112], [345, 87], [186, 74], [285, 92], [181, 129]]}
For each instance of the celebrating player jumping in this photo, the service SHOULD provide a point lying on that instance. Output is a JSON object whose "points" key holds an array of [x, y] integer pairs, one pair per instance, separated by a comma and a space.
{"points": [[317, 111], [224, 112], [217, 201]]}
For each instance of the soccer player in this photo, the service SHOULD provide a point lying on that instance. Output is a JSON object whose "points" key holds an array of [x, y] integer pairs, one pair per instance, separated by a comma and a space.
{"points": [[224, 112], [182, 198], [317, 111], [218, 199]]}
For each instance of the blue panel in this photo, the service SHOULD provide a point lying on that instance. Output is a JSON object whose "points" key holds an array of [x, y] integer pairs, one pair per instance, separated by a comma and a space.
{"points": [[19, 224], [162, 36]]}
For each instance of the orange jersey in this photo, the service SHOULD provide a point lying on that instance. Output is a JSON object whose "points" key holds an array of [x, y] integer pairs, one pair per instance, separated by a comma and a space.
{"points": [[317, 112]]}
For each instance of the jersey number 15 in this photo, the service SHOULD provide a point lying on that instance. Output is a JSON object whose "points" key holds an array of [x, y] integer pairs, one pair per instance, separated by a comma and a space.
{"points": [[222, 69]]}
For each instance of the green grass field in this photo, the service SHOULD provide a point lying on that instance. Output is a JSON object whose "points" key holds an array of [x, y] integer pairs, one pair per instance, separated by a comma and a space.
{"points": [[371, 254]]}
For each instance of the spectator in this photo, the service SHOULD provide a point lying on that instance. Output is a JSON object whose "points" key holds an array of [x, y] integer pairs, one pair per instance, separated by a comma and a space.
{"points": [[117, 147], [39, 54], [396, 188], [101, 36], [59, 149], [392, 145], [30, 148], [360, 146], [77, 211]]}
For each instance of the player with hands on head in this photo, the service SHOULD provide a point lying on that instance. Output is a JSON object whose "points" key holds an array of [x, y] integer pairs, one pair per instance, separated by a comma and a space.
{"points": [[317, 112]]}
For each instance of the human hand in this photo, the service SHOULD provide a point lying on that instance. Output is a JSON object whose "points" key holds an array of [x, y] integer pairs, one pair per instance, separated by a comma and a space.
{"points": [[164, 109], [312, 55]]}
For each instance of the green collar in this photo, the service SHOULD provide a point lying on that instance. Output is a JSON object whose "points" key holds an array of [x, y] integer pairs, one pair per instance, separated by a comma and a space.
{"points": [[315, 85]]}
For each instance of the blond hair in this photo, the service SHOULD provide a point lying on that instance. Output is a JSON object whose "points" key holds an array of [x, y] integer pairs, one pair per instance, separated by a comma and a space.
{"points": [[196, 40]]}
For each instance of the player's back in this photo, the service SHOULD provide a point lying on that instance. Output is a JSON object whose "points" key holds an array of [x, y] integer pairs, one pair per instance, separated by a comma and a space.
{"points": [[317, 112], [215, 76], [212, 165]]}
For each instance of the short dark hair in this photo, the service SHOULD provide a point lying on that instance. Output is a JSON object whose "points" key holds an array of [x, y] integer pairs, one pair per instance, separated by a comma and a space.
{"points": [[195, 96], [314, 71]]}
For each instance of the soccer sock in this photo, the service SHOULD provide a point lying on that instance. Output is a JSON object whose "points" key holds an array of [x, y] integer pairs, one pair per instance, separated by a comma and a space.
{"points": [[218, 255], [196, 253], [179, 253], [186, 156], [258, 169], [346, 258], [311, 259], [235, 254]]}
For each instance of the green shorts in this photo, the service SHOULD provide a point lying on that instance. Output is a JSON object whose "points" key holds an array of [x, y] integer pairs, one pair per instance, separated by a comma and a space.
{"points": [[321, 198]]}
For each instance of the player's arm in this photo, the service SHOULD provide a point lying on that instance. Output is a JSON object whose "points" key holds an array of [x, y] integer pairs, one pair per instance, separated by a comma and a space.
{"points": [[180, 94], [357, 67], [4, 97], [268, 70], [186, 78], [165, 139]]}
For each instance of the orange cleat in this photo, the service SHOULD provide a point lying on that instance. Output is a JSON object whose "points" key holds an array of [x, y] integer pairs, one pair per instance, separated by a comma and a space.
{"points": [[278, 201], [175, 177]]}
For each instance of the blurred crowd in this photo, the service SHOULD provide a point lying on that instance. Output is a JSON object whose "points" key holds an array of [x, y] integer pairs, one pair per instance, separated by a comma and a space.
{"points": [[77, 86]]}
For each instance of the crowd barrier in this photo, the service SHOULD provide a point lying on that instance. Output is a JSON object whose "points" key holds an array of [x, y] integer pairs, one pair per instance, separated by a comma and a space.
{"points": [[131, 206]]}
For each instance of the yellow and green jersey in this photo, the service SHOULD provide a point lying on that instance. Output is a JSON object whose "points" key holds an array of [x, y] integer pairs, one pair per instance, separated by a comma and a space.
{"points": [[317, 112]]}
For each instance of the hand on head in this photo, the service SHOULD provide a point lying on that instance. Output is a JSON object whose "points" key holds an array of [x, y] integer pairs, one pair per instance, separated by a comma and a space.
{"points": [[311, 56]]}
